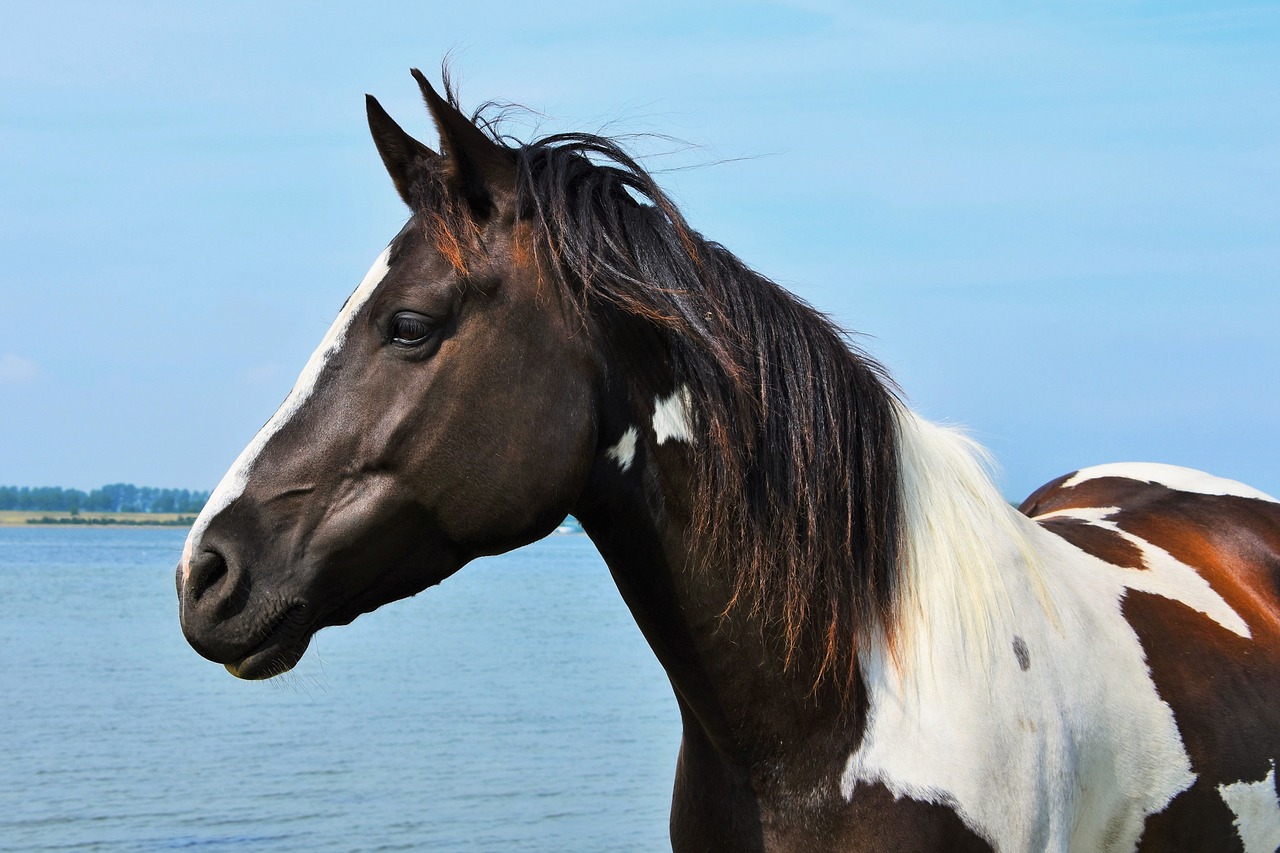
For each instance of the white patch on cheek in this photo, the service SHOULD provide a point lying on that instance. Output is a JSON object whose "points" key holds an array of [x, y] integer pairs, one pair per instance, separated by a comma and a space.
{"points": [[671, 417], [1257, 812], [237, 477], [624, 452]]}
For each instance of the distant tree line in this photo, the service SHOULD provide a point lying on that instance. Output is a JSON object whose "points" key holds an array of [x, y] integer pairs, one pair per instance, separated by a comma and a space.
{"points": [[116, 497]]}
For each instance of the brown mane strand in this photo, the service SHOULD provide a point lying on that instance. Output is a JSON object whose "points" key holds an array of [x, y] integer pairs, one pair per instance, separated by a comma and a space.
{"points": [[796, 468]]}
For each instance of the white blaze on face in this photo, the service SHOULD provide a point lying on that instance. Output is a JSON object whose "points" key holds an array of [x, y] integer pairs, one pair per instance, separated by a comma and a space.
{"points": [[234, 481], [671, 417]]}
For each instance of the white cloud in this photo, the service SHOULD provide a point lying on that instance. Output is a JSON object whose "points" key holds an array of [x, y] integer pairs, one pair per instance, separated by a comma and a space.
{"points": [[15, 370]]}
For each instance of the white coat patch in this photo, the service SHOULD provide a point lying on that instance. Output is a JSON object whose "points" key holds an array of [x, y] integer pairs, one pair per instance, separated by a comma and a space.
{"points": [[624, 452], [1017, 693], [1072, 753], [1165, 575], [671, 417], [1172, 476], [1257, 812], [233, 482]]}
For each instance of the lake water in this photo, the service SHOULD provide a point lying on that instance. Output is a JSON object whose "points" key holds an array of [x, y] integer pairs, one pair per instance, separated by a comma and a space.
{"points": [[515, 707]]}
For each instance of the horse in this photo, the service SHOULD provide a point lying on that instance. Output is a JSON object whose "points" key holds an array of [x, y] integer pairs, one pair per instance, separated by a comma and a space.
{"points": [[869, 647]]}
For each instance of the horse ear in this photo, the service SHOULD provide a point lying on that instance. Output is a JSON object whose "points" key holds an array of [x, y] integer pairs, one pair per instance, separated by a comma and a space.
{"points": [[404, 156], [479, 167]]}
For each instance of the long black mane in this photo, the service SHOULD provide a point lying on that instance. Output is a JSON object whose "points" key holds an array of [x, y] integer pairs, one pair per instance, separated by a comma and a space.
{"points": [[796, 467]]}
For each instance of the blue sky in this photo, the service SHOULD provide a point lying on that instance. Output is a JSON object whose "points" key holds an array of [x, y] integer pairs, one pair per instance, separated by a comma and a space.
{"points": [[1057, 224]]}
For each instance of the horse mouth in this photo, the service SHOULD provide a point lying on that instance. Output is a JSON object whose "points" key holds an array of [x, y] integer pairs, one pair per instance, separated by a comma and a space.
{"points": [[281, 648]]}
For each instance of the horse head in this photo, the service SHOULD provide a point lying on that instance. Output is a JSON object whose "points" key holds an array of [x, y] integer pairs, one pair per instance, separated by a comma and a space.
{"points": [[446, 414]]}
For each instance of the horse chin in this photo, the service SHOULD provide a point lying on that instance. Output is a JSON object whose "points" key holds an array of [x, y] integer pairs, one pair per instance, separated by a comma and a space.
{"points": [[276, 655], [268, 663]]}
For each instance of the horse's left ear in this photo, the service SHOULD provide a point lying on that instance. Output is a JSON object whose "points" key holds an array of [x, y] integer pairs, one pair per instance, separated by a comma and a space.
{"points": [[405, 157], [480, 169]]}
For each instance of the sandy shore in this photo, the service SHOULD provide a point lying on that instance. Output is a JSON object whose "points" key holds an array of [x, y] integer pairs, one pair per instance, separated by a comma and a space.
{"points": [[22, 518]]}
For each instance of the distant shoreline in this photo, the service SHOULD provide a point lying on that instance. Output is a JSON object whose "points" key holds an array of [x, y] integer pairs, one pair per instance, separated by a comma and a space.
{"points": [[36, 518]]}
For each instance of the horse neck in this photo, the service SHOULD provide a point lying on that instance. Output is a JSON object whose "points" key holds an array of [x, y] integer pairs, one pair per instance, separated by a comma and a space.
{"points": [[961, 545], [730, 680]]}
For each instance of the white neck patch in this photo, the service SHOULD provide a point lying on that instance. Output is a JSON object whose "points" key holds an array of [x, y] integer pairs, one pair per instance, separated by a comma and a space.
{"points": [[671, 417], [624, 452], [234, 481]]}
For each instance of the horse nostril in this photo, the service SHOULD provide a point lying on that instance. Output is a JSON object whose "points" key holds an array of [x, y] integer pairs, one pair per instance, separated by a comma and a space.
{"points": [[207, 570]]}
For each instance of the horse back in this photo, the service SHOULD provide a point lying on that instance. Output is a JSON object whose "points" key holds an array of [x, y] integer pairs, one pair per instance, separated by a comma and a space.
{"points": [[1222, 685]]}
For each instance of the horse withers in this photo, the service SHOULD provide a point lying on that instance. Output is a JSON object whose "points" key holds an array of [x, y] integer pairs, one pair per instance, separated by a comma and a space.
{"points": [[869, 648]]}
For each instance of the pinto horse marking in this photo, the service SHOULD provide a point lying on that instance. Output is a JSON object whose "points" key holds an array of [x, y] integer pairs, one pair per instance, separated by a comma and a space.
{"points": [[869, 648], [1257, 811], [1204, 533], [624, 452], [233, 482], [671, 417]]}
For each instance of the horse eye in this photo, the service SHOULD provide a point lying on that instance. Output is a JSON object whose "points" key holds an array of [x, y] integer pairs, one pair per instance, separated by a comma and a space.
{"points": [[409, 329]]}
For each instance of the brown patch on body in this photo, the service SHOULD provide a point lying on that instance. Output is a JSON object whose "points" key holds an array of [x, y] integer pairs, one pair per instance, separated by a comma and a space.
{"points": [[1090, 494], [1031, 507], [1224, 689], [1101, 542], [1233, 542]]}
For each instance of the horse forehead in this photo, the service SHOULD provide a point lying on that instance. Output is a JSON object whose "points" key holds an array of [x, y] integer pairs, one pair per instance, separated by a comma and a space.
{"points": [[236, 479]]}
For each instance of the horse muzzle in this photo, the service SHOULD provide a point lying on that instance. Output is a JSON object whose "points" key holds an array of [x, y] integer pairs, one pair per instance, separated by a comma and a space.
{"points": [[254, 636]]}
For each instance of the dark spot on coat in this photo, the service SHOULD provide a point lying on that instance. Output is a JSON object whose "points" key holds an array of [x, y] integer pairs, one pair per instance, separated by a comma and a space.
{"points": [[1022, 653]]}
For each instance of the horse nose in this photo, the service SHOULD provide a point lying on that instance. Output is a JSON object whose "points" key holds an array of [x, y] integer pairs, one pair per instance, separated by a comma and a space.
{"points": [[211, 591], [205, 574]]}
